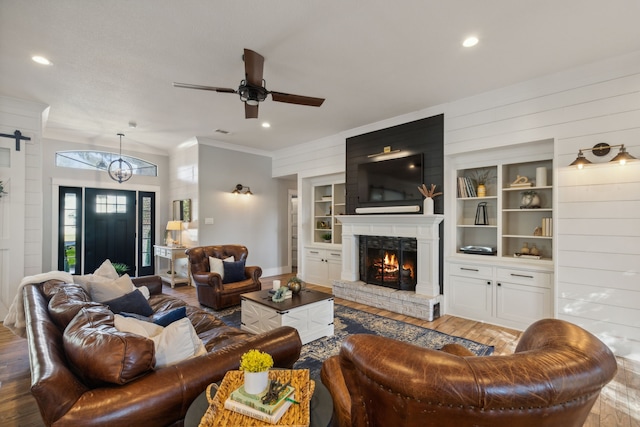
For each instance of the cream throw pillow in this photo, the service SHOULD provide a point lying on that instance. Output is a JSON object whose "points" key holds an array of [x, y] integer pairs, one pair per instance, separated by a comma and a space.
{"points": [[107, 270], [173, 344], [177, 342], [136, 326], [102, 289], [216, 266]]}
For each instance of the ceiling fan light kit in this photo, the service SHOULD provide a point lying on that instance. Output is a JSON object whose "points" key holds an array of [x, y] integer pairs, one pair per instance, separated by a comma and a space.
{"points": [[253, 89]]}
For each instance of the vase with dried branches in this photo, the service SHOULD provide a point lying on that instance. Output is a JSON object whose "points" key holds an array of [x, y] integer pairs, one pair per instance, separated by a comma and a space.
{"points": [[429, 193]]}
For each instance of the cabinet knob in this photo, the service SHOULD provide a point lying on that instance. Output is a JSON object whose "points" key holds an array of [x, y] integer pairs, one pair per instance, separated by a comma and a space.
{"points": [[499, 284], [489, 282]]}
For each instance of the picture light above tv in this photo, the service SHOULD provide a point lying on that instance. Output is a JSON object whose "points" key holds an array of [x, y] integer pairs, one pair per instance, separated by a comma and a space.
{"points": [[392, 182]]}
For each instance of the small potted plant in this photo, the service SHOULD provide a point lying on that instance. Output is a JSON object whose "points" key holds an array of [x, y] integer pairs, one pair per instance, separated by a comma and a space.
{"points": [[326, 237], [120, 267], [256, 365]]}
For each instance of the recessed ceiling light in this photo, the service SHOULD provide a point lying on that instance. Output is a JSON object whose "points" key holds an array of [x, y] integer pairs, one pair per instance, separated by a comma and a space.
{"points": [[266, 124], [470, 41], [41, 60]]}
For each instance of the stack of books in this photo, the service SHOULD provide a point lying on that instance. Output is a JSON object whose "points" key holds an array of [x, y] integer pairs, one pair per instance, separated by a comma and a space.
{"points": [[547, 227], [466, 187], [251, 404]]}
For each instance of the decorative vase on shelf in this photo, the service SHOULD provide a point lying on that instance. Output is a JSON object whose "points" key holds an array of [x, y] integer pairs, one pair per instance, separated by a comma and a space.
{"points": [[256, 382], [482, 190], [525, 248], [529, 200], [295, 285], [427, 206]]}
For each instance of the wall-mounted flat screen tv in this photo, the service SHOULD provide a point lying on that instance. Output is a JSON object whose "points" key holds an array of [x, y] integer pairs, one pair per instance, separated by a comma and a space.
{"points": [[390, 181]]}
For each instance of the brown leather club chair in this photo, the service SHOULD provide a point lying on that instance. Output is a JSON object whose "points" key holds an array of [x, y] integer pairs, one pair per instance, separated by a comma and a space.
{"points": [[212, 290], [553, 379]]}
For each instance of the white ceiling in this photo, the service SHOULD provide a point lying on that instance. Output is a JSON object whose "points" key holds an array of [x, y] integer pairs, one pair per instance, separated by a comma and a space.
{"points": [[114, 61]]}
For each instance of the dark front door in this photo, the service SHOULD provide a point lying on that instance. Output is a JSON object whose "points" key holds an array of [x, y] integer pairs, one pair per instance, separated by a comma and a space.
{"points": [[110, 228]]}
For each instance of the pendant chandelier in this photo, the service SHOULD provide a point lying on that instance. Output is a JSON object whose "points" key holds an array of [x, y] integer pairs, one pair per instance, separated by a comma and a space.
{"points": [[120, 170]]}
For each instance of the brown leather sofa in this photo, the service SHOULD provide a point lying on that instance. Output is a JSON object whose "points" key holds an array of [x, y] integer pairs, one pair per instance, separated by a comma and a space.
{"points": [[143, 395], [553, 379], [212, 290]]}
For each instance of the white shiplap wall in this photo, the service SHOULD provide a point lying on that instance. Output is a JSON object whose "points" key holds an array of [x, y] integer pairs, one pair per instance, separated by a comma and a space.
{"points": [[575, 108], [21, 213], [29, 117], [598, 268]]}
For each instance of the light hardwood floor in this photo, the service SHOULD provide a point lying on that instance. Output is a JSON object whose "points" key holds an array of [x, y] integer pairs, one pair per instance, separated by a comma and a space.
{"points": [[618, 405]]}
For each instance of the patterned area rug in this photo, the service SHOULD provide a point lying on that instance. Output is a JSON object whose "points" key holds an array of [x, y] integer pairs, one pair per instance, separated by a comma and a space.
{"points": [[352, 321]]}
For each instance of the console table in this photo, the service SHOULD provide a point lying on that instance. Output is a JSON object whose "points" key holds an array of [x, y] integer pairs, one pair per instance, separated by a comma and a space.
{"points": [[166, 269]]}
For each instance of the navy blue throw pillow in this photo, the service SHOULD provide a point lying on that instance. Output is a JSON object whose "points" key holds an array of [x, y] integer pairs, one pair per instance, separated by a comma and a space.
{"points": [[233, 271], [133, 302], [168, 317]]}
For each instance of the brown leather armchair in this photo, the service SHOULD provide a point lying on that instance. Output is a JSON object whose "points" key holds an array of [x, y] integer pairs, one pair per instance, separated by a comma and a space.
{"points": [[553, 379], [211, 290]]}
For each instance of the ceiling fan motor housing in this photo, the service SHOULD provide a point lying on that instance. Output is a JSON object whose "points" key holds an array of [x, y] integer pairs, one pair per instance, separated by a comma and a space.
{"points": [[251, 94]]}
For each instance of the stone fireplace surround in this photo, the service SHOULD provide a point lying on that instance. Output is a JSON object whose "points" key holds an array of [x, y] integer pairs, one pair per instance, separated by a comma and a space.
{"points": [[424, 228]]}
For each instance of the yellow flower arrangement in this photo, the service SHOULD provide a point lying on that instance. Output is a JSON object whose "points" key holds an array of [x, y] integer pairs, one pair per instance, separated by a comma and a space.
{"points": [[255, 361]]}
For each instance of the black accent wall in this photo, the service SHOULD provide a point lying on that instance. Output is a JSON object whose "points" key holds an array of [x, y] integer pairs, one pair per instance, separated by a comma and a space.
{"points": [[421, 136]]}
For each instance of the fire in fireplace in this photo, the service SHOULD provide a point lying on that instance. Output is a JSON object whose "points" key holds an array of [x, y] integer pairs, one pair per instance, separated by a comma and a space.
{"points": [[389, 261]]}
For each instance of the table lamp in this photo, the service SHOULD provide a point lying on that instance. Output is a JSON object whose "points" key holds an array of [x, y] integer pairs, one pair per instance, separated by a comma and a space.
{"points": [[175, 226]]}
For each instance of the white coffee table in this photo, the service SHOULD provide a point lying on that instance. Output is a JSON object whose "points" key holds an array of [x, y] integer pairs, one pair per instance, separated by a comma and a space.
{"points": [[310, 312]]}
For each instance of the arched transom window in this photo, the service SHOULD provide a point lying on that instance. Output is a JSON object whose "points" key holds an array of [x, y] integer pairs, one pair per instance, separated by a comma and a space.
{"points": [[100, 160]]}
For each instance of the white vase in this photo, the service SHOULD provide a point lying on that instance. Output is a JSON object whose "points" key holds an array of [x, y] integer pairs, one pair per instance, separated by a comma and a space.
{"points": [[256, 382], [428, 206]]}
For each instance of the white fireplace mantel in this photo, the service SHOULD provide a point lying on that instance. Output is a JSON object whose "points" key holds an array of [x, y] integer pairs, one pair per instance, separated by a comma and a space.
{"points": [[424, 228]]}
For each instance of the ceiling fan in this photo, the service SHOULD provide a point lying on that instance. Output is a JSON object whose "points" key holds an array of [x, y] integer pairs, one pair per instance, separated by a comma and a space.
{"points": [[253, 90]]}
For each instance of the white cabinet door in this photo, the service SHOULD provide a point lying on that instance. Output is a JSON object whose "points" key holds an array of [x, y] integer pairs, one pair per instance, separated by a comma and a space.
{"points": [[522, 305], [334, 264], [470, 297], [315, 267]]}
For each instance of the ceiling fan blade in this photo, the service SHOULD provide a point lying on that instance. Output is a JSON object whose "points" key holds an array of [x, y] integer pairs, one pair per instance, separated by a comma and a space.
{"points": [[253, 67], [297, 99], [200, 87], [250, 111]]}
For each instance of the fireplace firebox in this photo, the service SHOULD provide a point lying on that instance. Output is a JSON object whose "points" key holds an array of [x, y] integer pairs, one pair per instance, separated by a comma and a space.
{"points": [[389, 261]]}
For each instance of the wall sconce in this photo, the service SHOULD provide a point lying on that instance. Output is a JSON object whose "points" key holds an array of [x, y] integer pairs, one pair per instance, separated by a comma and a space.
{"points": [[602, 149], [175, 226], [240, 189]]}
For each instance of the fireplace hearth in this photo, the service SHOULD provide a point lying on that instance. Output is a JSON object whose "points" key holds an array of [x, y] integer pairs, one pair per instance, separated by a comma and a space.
{"points": [[389, 261]]}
